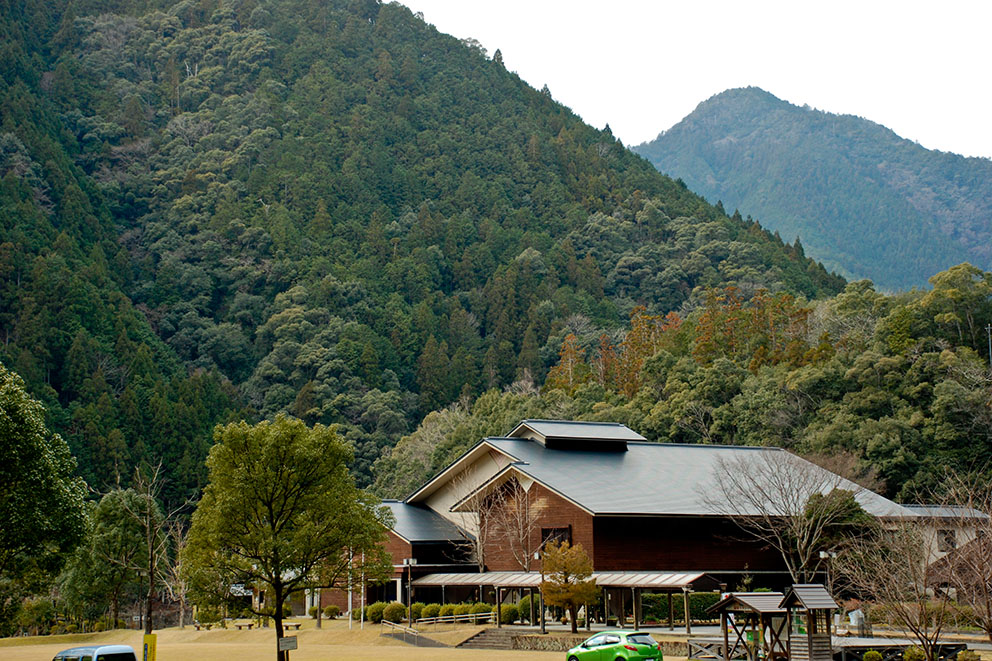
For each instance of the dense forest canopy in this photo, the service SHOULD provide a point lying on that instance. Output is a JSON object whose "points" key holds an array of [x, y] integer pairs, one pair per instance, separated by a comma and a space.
{"points": [[892, 391], [865, 201], [217, 210]]}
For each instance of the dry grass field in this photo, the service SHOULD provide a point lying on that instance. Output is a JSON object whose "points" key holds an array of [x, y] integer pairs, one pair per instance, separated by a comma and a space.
{"points": [[333, 641]]}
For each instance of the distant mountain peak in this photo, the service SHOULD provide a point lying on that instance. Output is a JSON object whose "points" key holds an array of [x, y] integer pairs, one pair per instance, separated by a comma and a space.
{"points": [[864, 200]]}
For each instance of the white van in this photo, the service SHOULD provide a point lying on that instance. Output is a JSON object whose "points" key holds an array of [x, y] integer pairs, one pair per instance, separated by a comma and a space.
{"points": [[97, 653]]}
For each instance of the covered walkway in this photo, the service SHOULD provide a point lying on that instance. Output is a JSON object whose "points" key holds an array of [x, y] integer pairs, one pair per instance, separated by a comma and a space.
{"points": [[622, 591]]}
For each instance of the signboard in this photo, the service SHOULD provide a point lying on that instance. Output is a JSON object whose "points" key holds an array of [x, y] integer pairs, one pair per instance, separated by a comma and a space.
{"points": [[239, 590], [287, 643], [149, 647]]}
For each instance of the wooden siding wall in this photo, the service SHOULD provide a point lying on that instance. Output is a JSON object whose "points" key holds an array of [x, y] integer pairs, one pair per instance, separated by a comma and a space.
{"points": [[678, 544], [548, 510]]}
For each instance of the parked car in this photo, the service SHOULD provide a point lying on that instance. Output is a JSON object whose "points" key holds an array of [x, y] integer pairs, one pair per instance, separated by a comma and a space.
{"points": [[97, 653], [617, 645]]}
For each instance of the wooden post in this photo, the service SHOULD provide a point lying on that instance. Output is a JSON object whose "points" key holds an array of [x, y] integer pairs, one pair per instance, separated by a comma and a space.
{"points": [[622, 620], [671, 612], [499, 605], [688, 618], [726, 637]]}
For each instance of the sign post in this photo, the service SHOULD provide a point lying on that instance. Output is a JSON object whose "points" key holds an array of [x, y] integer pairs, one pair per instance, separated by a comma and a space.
{"points": [[287, 643], [148, 647]]}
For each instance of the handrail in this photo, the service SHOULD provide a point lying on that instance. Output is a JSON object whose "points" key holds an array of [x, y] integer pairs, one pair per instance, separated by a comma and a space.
{"points": [[399, 627], [474, 618]]}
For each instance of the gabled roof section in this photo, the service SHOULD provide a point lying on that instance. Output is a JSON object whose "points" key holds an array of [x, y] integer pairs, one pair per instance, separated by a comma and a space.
{"points": [[570, 434], [811, 596], [758, 602], [653, 478], [472, 454], [420, 524]]}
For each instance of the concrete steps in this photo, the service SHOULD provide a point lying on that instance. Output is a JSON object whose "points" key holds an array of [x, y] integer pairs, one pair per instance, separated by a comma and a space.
{"points": [[491, 639]]}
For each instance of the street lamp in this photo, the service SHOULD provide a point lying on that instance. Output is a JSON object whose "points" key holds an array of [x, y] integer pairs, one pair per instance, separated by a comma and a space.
{"points": [[409, 562]]}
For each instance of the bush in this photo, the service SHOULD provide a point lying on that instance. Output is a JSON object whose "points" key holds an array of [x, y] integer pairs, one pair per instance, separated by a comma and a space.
{"points": [[447, 609], [508, 614], [913, 653], [431, 610], [968, 655], [418, 608], [656, 606], [312, 611], [523, 609], [208, 615], [331, 612], [462, 609], [394, 612], [373, 612], [480, 608], [872, 655], [287, 610]]}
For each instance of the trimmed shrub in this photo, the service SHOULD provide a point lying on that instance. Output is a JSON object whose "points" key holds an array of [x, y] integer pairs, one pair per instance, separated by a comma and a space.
{"points": [[523, 609], [431, 610], [968, 655], [508, 614], [331, 612], [287, 610], [394, 612], [462, 609], [312, 611], [373, 612], [480, 608], [418, 608], [872, 655], [914, 653], [446, 609], [656, 606]]}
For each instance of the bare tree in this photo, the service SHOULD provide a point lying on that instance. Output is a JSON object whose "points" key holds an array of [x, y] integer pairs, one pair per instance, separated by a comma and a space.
{"points": [[966, 530], [174, 576], [886, 567], [514, 516], [792, 505]]}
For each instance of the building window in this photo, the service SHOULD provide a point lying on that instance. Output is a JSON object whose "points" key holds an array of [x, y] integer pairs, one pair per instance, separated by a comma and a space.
{"points": [[946, 541], [559, 535]]}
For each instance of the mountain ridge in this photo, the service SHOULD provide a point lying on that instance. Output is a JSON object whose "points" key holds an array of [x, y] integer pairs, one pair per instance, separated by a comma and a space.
{"points": [[826, 177]]}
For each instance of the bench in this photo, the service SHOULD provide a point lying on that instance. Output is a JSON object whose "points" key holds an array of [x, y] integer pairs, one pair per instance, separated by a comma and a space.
{"points": [[244, 625], [201, 626], [291, 625]]}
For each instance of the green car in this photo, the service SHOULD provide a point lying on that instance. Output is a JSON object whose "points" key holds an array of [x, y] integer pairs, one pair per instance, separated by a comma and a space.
{"points": [[615, 645]]}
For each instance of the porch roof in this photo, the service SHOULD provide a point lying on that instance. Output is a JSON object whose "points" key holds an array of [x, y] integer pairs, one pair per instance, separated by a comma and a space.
{"points": [[662, 581]]}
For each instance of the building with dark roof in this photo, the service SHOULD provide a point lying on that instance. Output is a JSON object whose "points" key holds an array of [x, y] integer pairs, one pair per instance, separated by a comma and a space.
{"points": [[636, 507]]}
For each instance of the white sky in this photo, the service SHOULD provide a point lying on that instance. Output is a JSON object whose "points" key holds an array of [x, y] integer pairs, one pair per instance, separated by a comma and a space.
{"points": [[923, 69]]}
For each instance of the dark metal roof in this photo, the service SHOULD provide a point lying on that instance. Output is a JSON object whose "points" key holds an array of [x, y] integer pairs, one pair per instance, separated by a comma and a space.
{"points": [[811, 596], [592, 431], [420, 524], [651, 478], [759, 602]]}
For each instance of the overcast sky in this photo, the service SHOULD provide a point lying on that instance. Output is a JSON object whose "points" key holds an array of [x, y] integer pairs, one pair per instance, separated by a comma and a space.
{"points": [[919, 68]]}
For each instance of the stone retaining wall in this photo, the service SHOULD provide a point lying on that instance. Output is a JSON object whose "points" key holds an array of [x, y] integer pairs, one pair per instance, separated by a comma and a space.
{"points": [[564, 642]]}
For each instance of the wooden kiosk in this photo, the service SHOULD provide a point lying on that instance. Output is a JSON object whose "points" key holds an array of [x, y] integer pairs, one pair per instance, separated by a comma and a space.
{"points": [[809, 609], [754, 626]]}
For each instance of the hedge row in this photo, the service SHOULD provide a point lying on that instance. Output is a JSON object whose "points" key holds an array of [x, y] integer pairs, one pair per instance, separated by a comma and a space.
{"points": [[656, 606]]}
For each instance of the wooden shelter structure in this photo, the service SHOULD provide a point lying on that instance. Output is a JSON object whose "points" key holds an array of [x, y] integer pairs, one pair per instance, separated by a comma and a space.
{"points": [[754, 626], [809, 609]]}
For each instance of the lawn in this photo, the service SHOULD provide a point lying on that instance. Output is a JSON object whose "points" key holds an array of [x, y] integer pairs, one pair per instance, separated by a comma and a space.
{"points": [[333, 641]]}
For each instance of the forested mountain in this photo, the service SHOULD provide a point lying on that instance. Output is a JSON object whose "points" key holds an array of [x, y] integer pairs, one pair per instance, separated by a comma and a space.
{"points": [[892, 391], [213, 210], [865, 201]]}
